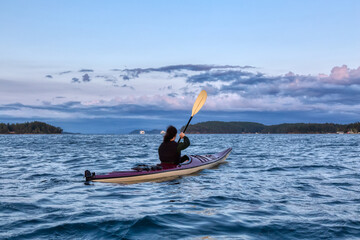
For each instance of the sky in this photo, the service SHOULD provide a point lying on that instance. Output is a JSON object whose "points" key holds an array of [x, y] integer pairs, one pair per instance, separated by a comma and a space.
{"points": [[115, 66]]}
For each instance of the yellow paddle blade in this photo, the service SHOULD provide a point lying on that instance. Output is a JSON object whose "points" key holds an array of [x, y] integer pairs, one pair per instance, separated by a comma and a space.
{"points": [[200, 101]]}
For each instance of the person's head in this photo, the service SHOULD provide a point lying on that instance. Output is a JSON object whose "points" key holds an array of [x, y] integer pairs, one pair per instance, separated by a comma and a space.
{"points": [[170, 133]]}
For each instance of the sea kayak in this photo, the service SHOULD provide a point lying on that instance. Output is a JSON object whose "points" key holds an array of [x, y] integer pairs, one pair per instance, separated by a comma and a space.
{"points": [[144, 173]]}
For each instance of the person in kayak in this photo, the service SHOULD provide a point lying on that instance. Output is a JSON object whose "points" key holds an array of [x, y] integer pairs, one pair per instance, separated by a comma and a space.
{"points": [[170, 150]]}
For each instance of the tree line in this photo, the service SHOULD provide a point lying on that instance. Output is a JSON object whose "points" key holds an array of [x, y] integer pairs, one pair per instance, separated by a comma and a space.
{"points": [[252, 127], [29, 128]]}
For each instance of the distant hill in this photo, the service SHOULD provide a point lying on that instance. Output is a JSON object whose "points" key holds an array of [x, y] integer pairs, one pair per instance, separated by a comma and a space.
{"points": [[225, 127], [154, 131], [218, 127], [29, 128]]}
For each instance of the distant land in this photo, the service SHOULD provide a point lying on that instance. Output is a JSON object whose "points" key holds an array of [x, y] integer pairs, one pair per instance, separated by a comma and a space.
{"points": [[154, 131], [217, 127], [29, 128]]}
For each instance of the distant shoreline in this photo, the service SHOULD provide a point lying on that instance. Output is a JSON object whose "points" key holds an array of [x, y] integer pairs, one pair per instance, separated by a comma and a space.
{"points": [[217, 127], [210, 127]]}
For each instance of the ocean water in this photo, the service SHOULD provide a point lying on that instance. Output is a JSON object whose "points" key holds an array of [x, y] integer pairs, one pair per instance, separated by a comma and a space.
{"points": [[271, 187]]}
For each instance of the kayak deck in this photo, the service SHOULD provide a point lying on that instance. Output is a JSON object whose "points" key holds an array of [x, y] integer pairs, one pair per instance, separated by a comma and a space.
{"points": [[194, 164]]}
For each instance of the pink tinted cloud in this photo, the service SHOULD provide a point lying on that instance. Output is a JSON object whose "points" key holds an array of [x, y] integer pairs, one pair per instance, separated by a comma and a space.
{"points": [[340, 73], [355, 73], [342, 76]]}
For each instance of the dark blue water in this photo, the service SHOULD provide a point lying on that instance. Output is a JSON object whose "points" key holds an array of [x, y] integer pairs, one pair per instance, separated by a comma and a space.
{"points": [[272, 187]]}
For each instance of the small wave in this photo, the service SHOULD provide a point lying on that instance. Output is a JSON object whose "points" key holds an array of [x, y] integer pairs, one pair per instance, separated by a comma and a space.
{"points": [[339, 184], [318, 195], [275, 169], [29, 208], [306, 168], [331, 167], [214, 201], [169, 226], [80, 230], [38, 175]]}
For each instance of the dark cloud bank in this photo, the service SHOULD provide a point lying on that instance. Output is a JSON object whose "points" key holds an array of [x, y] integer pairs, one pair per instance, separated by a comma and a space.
{"points": [[86, 70], [341, 87], [128, 74], [65, 72]]}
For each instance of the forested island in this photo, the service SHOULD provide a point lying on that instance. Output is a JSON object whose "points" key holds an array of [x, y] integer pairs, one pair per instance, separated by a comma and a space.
{"points": [[29, 128], [217, 127]]}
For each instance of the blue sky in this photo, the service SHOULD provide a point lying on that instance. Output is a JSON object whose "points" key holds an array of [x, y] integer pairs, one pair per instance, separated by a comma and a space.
{"points": [[81, 64]]}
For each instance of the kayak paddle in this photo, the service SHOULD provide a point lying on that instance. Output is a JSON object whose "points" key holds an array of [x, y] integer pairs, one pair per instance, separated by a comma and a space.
{"points": [[200, 101]]}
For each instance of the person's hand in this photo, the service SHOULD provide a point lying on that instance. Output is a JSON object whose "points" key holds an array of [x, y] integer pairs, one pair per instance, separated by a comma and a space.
{"points": [[182, 135]]}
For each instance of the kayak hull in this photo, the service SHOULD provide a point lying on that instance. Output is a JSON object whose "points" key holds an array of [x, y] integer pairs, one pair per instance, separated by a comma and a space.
{"points": [[194, 164]]}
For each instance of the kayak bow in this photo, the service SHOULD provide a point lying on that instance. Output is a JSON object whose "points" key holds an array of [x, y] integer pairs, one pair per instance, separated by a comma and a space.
{"points": [[194, 164]]}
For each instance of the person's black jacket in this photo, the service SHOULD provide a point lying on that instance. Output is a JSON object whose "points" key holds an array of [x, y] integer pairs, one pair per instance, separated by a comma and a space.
{"points": [[170, 152]]}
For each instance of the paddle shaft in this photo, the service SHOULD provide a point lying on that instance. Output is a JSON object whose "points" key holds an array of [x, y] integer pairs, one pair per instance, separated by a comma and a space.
{"points": [[186, 126]]}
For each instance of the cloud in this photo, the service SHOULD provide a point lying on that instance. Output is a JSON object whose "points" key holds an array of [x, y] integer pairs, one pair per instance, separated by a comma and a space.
{"points": [[180, 75], [75, 80], [211, 89], [165, 88], [131, 73], [342, 76], [86, 78], [187, 91], [126, 86], [135, 72], [75, 109], [190, 67], [86, 70], [108, 78], [173, 95], [48, 76], [65, 72], [224, 76], [46, 110], [286, 92]]}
